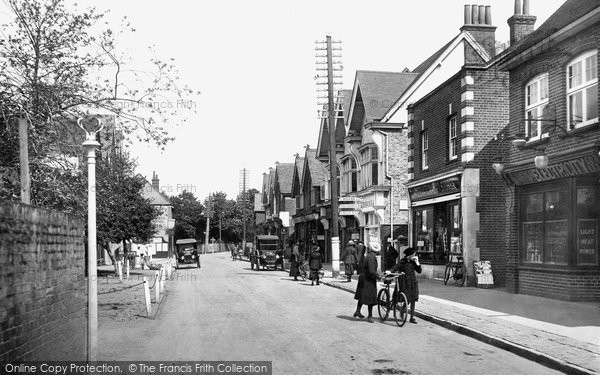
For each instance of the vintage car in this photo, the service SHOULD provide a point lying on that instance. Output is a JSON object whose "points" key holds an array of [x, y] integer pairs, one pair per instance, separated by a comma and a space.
{"points": [[266, 253], [186, 251]]}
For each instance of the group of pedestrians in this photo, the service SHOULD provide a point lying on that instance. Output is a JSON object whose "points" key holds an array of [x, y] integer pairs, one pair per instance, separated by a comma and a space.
{"points": [[315, 262], [366, 290], [362, 259]]}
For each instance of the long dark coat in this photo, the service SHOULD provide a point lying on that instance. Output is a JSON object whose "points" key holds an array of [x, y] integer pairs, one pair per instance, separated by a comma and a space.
{"points": [[295, 262], [315, 264], [410, 286], [350, 260], [391, 254], [366, 290]]}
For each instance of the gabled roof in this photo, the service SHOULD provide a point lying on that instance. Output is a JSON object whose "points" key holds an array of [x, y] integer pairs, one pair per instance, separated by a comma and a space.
{"points": [[298, 170], [424, 70], [340, 131], [569, 12], [285, 173], [316, 169], [377, 91]]}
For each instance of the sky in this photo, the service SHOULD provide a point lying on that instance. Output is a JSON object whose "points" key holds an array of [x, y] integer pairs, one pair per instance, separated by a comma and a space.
{"points": [[253, 63]]}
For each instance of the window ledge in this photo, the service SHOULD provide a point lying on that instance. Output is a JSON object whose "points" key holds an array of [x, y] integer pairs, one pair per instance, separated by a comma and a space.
{"points": [[583, 129]]}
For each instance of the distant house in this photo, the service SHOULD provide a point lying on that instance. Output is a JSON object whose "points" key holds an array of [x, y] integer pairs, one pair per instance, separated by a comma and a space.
{"points": [[161, 245]]}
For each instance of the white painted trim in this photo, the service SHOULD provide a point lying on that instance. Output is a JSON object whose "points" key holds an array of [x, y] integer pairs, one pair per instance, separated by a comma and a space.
{"points": [[468, 141], [467, 157], [467, 80], [467, 126], [443, 198], [467, 95], [467, 111]]}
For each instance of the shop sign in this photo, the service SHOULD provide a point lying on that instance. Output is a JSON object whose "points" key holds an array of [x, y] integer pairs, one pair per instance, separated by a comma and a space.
{"points": [[568, 168], [432, 189], [587, 233]]}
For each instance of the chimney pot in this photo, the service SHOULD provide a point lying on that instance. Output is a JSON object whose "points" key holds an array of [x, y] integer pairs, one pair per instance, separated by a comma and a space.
{"points": [[518, 7], [488, 15], [482, 14], [467, 14], [474, 14], [525, 6]]}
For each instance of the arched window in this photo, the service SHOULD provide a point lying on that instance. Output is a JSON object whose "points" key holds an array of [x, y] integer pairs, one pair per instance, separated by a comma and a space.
{"points": [[582, 90]]}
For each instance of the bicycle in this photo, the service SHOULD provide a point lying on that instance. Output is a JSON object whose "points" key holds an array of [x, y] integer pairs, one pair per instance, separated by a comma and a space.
{"points": [[303, 270], [456, 269], [398, 302]]}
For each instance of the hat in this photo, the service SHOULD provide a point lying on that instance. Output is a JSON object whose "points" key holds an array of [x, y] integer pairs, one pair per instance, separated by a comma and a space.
{"points": [[375, 246], [409, 251]]}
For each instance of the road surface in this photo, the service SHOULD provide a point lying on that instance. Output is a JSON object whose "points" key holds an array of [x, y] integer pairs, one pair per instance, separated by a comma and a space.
{"points": [[226, 312]]}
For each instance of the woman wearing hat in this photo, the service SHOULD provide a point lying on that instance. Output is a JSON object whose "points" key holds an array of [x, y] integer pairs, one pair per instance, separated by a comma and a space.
{"points": [[366, 290], [350, 260], [410, 266]]}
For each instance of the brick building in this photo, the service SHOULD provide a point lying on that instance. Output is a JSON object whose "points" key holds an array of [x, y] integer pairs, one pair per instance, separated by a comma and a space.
{"points": [[371, 165], [454, 194], [552, 162]]}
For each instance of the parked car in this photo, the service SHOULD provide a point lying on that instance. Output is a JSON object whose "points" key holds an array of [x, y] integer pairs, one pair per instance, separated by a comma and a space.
{"points": [[186, 251], [267, 253]]}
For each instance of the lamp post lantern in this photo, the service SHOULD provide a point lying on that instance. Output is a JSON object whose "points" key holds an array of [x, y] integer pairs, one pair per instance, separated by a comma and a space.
{"points": [[90, 145]]}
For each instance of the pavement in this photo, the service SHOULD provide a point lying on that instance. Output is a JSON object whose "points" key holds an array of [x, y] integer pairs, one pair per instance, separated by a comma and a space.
{"points": [[561, 335]]}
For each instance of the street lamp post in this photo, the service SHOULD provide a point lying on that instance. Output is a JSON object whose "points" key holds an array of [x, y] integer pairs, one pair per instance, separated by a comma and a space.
{"points": [[89, 145]]}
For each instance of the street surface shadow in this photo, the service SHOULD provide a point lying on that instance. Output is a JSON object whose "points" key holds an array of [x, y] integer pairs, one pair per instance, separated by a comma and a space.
{"points": [[351, 318], [380, 371]]}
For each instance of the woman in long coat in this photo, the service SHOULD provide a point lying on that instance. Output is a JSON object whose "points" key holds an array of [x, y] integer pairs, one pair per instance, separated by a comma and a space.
{"points": [[350, 259], [410, 266], [295, 262], [366, 290], [315, 264]]}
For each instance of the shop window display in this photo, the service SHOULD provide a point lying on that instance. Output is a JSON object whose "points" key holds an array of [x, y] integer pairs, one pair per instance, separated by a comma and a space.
{"points": [[560, 226]]}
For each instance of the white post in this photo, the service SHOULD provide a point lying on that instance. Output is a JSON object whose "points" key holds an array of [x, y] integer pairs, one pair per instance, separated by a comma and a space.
{"points": [[127, 269], [90, 146], [157, 286], [147, 297], [120, 269], [162, 279], [335, 256]]}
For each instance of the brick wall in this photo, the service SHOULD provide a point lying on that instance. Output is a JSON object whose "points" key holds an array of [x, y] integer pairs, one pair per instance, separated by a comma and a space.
{"points": [[568, 282], [488, 98], [43, 288]]}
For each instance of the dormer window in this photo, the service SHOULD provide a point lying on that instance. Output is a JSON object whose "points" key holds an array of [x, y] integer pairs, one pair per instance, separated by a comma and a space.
{"points": [[582, 90], [536, 100]]}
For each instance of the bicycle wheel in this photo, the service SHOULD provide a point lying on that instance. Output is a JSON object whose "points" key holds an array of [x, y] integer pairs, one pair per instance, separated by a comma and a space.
{"points": [[383, 304], [447, 273], [463, 276], [401, 309]]}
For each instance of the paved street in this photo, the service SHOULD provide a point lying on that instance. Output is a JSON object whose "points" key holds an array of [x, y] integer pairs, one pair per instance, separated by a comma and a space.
{"points": [[225, 311]]}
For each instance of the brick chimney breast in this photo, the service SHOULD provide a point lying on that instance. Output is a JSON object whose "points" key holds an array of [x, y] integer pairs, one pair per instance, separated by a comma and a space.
{"points": [[521, 23], [155, 181], [478, 23]]}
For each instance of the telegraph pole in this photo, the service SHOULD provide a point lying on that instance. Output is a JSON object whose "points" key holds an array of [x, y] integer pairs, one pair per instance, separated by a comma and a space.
{"points": [[243, 186], [331, 126], [206, 234]]}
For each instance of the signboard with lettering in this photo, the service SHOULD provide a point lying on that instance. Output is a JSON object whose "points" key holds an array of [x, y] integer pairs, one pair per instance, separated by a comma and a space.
{"points": [[436, 188], [575, 167], [483, 273], [587, 241]]}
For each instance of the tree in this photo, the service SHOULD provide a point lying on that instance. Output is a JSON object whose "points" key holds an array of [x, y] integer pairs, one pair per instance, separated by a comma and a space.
{"points": [[188, 213], [58, 65], [123, 213]]}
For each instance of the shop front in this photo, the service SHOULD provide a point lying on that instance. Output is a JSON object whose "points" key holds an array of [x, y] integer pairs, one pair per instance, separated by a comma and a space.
{"points": [[443, 219], [558, 215]]}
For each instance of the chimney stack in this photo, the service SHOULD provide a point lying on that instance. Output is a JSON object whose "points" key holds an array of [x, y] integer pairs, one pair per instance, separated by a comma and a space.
{"points": [[155, 183], [521, 23], [478, 23]]}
